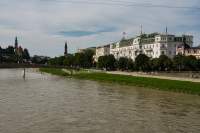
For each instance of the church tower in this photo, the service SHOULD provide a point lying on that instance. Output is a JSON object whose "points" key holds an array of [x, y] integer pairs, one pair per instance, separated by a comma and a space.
{"points": [[66, 49], [16, 43]]}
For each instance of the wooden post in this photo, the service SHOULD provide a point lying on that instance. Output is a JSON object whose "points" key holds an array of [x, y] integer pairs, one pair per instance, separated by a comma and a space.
{"points": [[24, 75]]}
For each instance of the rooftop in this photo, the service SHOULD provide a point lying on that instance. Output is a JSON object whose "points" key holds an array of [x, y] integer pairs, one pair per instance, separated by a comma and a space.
{"points": [[126, 42]]}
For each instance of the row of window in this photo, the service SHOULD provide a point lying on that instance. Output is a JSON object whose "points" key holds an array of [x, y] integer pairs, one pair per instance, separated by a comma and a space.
{"points": [[195, 51]]}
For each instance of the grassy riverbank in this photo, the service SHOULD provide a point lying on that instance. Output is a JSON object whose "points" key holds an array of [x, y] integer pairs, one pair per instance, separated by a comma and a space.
{"points": [[153, 83], [54, 71]]}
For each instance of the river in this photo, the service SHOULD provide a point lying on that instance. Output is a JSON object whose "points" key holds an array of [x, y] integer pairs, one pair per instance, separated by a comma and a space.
{"points": [[49, 104]]}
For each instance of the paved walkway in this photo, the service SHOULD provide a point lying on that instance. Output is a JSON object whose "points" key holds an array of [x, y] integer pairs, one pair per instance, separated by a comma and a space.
{"points": [[138, 74]]}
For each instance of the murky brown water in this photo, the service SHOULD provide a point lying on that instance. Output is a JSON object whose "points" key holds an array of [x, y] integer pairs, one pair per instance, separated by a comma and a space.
{"points": [[50, 104]]}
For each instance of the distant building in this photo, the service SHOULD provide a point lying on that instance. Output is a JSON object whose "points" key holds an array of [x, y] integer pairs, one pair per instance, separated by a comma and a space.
{"points": [[80, 50], [187, 50], [18, 49], [123, 48], [153, 45], [83, 50], [102, 51], [14, 53], [66, 49]]}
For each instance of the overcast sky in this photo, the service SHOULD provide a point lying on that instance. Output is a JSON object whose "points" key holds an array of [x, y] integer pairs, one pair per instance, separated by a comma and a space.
{"points": [[43, 26]]}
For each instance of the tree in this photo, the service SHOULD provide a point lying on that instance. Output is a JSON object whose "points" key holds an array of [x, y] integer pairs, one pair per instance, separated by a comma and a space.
{"points": [[185, 63], [57, 61], [142, 62], [164, 63], [178, 62], [88, 58], [79, 60], [25, 54], [123, 63], [191, 63], [10, 50], [41, 60], [154, 63], [130, 65], [69, 60], [107, 62]]}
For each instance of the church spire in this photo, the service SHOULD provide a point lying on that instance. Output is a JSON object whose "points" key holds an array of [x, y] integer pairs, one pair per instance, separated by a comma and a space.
{"points": [[16, 43], [66, 49]]}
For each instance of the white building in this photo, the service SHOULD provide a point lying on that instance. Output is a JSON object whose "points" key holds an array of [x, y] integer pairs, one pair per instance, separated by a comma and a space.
{"points": [[123, 48], [152, 45], [187, 50], [102, 51]]}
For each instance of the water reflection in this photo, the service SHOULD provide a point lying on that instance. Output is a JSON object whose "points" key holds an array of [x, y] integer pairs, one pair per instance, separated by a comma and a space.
{"points": [[50, 104]]}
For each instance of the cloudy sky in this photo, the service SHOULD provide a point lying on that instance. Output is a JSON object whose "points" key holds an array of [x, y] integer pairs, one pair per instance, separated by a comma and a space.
{"points": [[43, 26]]}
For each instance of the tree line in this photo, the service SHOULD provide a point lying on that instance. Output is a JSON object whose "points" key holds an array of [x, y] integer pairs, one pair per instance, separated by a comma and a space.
{"points": [[141, 63], [77, 60], [146, 64], [9, 55]]}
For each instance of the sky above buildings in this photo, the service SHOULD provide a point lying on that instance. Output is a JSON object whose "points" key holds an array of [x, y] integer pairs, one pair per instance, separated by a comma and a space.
{"points": [[43, 26]]}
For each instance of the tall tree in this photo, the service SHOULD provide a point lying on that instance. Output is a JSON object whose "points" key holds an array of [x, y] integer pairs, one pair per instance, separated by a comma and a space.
{"points": [[142, 62], [107, 62], [130, 65], [123, 63], [69, 60], [25, 54], [154, 63], [178, 62], [10, 50], [164, 63]]}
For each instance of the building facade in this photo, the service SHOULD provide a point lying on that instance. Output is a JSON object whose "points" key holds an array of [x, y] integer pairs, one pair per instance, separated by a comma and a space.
{"points": [[188, 50], [102, 51], [153, 45], [84, 50]]}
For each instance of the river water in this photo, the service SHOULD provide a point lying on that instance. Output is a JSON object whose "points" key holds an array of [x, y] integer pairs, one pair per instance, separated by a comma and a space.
{"points": [[49, 104]]}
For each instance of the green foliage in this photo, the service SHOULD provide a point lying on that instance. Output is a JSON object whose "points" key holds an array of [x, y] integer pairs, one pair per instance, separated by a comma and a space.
{"points": [[25, 54], [39, 59], [79, 60], [123, 63], [10, 50], [57, 61], [130, 65], [185, 63], [69, 60], [88, 58], [154, 63], [54, 71], [164, 63], [9, 55], [142, 62], [107, 62]]}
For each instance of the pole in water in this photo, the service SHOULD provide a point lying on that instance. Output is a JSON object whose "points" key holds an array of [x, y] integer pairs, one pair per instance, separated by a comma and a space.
{"points": [[24, 75]]}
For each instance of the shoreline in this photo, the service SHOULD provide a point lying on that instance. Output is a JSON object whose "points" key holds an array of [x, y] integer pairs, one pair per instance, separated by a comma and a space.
{"points": [[158, 75], [147, 82]]}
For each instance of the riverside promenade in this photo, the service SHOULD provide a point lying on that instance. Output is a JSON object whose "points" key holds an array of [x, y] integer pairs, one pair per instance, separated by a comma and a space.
{"points": [[192, 77]]}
